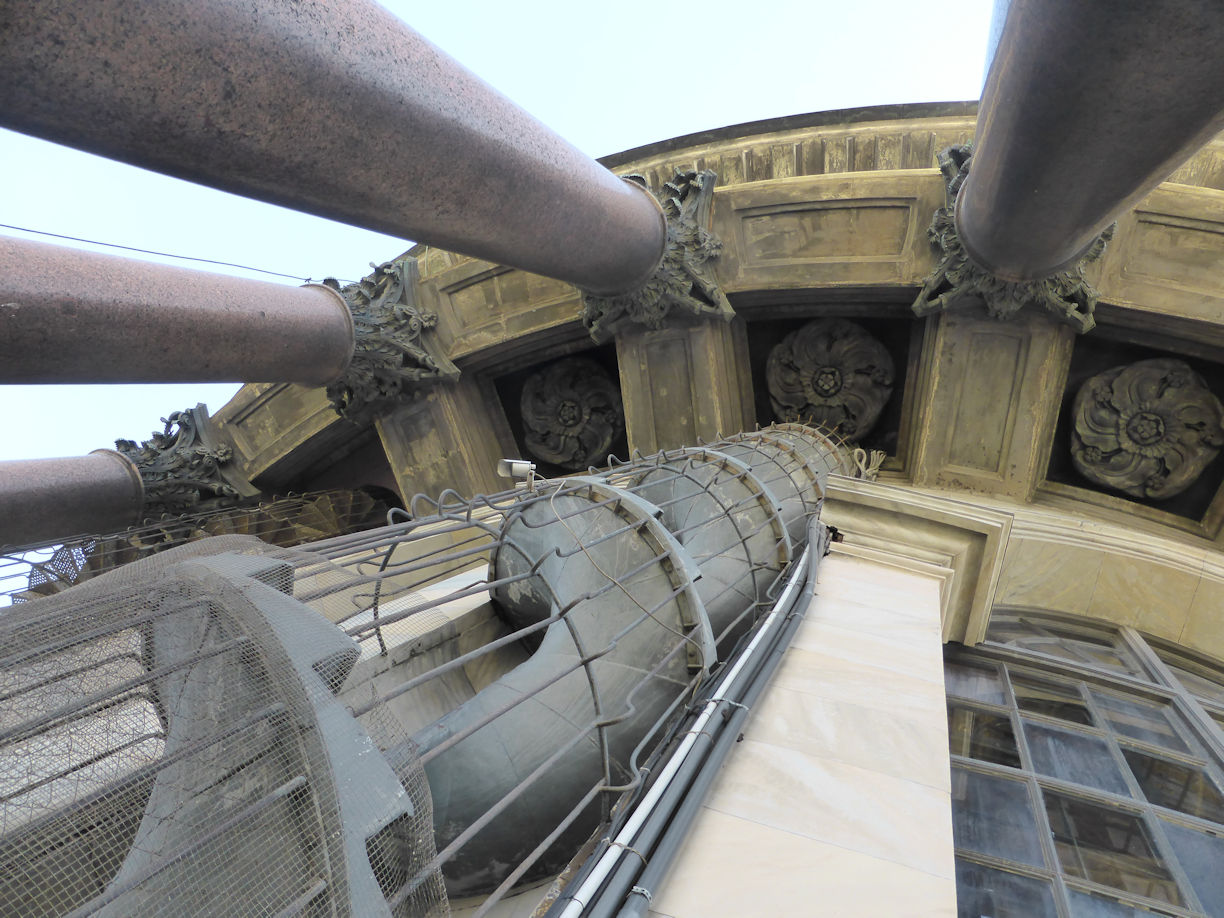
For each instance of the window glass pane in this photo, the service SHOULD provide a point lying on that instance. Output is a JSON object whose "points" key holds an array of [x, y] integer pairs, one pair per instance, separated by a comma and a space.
{"points": [[1041, 697], [1176, 786], [1084, 905], [974, 682], [1085, 646], [1009, 628], [1198, 685], [1073, 757], [1218, 718], [1202, 858], [1142, 720], [983, 892], [982, 735], [994, 816], [1108, 847], [1199, 678]]}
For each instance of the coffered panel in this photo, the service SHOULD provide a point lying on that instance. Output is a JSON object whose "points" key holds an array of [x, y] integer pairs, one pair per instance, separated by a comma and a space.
{"points": [[1167, 254], [994, 392], [827, 230]]}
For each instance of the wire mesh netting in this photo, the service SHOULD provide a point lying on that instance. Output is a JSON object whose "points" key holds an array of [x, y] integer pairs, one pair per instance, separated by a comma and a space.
{"points": [[168, 749], [398, 720], [41, 570]]}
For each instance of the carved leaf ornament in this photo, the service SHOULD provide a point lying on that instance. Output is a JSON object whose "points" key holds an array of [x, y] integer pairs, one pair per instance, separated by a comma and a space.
{"points": [[1147, 429], [179, 471], [684, 282], [831, 373], [390, 357], [958, 279], [572, 413]]}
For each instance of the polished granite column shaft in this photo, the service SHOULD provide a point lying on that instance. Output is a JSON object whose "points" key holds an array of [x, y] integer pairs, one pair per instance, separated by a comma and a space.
{"points": [[1087, 107], [68, 316], [331, 107], [43, 499]]}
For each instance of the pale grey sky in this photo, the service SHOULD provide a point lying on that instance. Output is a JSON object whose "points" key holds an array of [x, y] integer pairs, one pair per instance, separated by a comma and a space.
{"points": [[606, 79]]}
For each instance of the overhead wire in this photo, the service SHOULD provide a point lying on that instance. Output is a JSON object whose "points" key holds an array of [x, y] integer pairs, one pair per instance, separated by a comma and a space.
{"points": [[131, 248]]}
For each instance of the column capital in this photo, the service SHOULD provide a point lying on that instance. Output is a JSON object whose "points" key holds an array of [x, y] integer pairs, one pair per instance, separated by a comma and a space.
{"points": [[392, 352], [684, 281], [958, 279], [183, 467]]}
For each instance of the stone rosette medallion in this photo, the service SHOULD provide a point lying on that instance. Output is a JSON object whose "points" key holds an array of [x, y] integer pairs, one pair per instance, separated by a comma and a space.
{"points": [[830, 373], [1147, 429], [572, 413]]}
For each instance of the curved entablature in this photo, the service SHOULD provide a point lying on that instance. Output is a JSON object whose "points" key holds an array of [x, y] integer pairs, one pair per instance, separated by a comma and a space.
{"points": [[821, 217]]}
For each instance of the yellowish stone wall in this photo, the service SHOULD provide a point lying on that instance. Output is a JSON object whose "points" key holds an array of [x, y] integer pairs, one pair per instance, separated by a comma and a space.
{"points": [[827, 215]]}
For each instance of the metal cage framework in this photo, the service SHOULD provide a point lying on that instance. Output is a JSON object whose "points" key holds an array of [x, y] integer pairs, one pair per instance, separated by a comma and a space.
{"points": [[458, 699]]}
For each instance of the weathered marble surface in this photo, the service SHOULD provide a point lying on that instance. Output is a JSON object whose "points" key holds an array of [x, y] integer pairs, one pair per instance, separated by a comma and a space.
{"points": [[839, 796]]}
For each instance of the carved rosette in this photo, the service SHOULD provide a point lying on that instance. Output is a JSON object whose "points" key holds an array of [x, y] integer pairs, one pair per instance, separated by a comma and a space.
{"points": [[572, 413], [958, 279], [1147, 429], [830, 373], [181, 471], [684, 282], [391, 356]]}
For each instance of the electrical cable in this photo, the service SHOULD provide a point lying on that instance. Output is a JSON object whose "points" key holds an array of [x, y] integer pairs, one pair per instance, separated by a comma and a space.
{"points": [[679, 822]]}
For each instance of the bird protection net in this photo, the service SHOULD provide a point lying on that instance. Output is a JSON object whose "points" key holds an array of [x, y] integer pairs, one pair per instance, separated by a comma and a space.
{"points": [[171, 743], [406, 720]]}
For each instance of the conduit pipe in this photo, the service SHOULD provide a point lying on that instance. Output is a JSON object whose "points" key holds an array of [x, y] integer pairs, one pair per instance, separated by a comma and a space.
{"points": [[671, 820], [603, 881], [1087, 107], [331, 107]]}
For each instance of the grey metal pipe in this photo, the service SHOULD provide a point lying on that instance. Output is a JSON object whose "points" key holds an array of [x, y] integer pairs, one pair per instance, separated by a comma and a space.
{"points": [[68, 316], [603, 880], [333, 107], [735, 528], [693, 540], [1087, 107], [628, 678], [43, 499]]}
